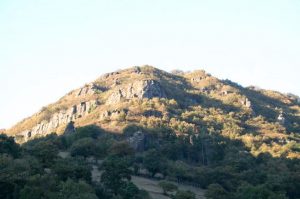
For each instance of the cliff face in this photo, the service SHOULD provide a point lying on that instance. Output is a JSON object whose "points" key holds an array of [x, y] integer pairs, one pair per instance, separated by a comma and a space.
{"points": [[78, 104], [151, 97], [58, 119], [139, 89]]}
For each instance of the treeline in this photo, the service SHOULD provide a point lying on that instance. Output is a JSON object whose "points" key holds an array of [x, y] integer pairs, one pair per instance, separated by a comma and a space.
{"points": [[223, 166], [34, 170]]}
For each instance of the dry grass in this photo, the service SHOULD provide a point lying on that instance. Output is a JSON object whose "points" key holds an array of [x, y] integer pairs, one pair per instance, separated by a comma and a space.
{"points": [[156, 192]]}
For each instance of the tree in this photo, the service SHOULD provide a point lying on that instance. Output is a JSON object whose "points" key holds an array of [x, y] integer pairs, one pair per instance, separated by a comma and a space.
{"points": [[121, 149], [216, 191], [257, 192], [76, 190], [184, 195], [83, 147], [91, 131], [103, 145], [45, 151], [167, 187], [116, 174], [129, 191], [69, 168], [154, 162], [8, 145], [14, 173], [8, 190], [39, 187]]}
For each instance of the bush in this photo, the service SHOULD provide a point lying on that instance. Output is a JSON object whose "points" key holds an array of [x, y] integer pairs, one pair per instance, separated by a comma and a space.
{"points": [[91, 131], [45, 151], [71, 169], [153, 161], [121, 149], [167, 187], [216, 191], [76, 190], [8, 146], [184, 195], [84, 147]]}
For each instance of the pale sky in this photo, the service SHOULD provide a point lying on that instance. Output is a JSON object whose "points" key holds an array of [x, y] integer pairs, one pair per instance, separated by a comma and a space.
{"points": [[49, 47]]}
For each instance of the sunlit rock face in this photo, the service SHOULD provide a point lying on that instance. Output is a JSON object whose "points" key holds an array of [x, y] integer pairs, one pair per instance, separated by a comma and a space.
{"points": [[139, 89], [57, 119], [246, 102], [88, 90], [281, 118]]}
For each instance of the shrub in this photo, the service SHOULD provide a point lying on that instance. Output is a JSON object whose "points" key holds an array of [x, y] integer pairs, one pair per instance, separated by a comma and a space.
{"points": [[167, 187]]}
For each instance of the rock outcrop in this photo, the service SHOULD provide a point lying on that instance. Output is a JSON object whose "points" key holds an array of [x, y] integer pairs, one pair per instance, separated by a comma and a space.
{"points": [[246, 102], [137, 141], [89, 89], [139, 89], [57, 119], [281, 118], [113, 114], [70, 129]]}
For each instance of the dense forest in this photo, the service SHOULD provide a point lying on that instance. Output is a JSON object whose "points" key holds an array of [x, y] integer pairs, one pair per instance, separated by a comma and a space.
{"points": [[227, 170]]}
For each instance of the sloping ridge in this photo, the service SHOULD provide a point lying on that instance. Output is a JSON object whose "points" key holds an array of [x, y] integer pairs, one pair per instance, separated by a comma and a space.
{"points": [[147, 94], [78, 104]]}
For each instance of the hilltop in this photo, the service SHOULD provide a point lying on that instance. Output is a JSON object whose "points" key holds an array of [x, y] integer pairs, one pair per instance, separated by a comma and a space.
{"points": [[183, 101]]}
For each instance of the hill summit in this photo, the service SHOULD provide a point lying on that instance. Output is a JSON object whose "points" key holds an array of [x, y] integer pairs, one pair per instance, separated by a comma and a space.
{"points": [[183, 101]]}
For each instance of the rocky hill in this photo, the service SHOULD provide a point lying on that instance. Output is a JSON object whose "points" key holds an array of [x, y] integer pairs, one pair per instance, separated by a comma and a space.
{"points": [[183, 101], [199, 135]]}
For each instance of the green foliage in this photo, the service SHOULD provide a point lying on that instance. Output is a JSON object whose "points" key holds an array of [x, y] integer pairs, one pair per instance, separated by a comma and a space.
{"points": [[116, 174], [46, 151], [76, 190], [8, 146], [153, 161], [88, 131], [72, 169], [167, 186], [129, 191], [121, 149], [83, 147], [129, 130], [184, 195], [103, 146], [257, 192], [216, 191], [39, 187], [14, 173]]}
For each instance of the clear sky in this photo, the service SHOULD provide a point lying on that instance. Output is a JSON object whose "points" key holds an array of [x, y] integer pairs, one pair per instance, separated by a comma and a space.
{"points": [[48, 47]]}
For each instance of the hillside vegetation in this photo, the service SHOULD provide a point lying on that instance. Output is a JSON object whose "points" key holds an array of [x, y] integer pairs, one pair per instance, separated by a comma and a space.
{"points": [[186, 127], [185, 102]]}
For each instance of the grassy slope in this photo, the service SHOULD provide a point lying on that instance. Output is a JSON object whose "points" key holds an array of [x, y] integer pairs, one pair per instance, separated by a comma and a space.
{"points": [[195, 99]]}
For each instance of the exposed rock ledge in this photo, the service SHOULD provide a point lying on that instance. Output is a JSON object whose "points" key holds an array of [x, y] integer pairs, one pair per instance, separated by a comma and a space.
{"points": [[139, 89], [57, 119], [88, 90]]}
